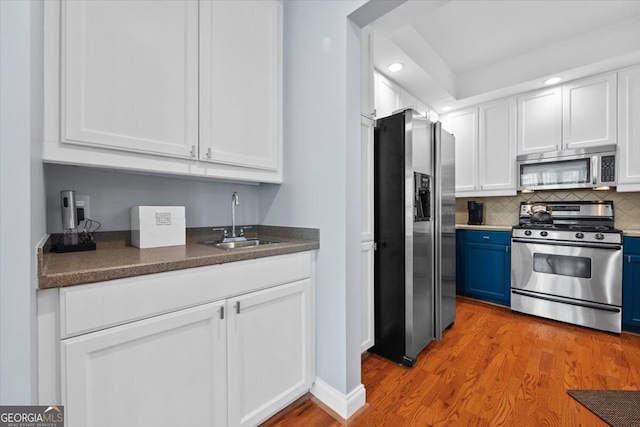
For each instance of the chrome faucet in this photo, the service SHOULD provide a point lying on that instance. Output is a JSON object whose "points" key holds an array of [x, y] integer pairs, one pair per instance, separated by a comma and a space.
{"points": [[234, 237], [235, 201]]}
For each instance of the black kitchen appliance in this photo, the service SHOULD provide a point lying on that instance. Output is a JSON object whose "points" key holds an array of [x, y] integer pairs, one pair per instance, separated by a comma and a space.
{"points": [[476, 213], [414, 210]]}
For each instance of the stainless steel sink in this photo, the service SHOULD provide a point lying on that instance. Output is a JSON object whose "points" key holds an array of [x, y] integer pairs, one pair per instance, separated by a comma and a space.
{"points": [[241, 244]]}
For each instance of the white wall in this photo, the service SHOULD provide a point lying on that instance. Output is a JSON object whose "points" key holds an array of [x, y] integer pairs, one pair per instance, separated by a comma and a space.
{"points": [[22, 188], [112, 194], [321, 186], [314, 193]]}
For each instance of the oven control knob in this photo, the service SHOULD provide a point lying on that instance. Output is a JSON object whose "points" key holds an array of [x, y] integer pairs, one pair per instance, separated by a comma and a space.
{"points": [[599, 236], [544, 233], [527, 233], [579, 235]]}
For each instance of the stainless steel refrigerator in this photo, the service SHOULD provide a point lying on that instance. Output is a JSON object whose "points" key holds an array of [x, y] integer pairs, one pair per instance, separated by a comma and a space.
{"points": [[414, 211]]}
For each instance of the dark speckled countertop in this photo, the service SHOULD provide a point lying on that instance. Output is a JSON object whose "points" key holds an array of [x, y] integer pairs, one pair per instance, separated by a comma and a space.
{"points": [[114, 258]]}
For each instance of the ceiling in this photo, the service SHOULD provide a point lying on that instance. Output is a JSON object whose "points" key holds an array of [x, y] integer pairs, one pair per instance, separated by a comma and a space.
{"points": [[463, 52]]}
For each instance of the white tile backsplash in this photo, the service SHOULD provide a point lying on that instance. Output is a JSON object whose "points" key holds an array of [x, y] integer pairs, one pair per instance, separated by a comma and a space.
{"points": [[503, 211]]}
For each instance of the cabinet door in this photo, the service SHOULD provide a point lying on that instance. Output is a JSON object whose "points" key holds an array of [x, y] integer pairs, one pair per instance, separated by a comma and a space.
{"points": [[460, 261], [497, 153], [270, 351], [130, 75], [464, 126], [240, 83], [629, 129], [367, 107], [168, 370], [368, 337], [423, 109], [487, 272], [589, 112], [407, 100], [387, 96], [540, 121], [631, 294], [366, 133]]}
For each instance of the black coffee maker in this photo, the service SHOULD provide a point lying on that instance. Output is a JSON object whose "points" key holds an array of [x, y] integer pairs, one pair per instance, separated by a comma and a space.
{"points": [[476, 213]]}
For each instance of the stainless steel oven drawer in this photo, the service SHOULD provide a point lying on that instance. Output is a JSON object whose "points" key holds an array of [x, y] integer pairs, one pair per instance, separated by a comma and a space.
{"points": [[596, 316]]}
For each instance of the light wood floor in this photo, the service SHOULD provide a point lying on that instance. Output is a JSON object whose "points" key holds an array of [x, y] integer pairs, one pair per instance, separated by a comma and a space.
{"points": [[493, 368]]}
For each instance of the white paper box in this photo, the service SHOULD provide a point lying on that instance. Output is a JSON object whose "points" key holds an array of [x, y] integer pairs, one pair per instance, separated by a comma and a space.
{"points": [[156, 226]]}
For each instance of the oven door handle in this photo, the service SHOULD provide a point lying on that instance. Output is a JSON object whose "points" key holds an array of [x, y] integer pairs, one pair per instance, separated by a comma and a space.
{"points": [[566, 301], [571, 244]]}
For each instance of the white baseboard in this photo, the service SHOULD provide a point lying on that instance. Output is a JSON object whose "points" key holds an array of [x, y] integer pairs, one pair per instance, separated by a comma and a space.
{"points": [[343, 405]]}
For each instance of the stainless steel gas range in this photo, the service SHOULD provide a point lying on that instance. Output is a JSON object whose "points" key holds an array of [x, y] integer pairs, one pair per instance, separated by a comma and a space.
{"points": [[566, 263]]}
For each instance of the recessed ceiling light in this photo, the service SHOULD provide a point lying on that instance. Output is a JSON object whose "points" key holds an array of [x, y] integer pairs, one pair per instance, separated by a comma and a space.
{"points": [[552, 80], [396, 66], [447, 108]]}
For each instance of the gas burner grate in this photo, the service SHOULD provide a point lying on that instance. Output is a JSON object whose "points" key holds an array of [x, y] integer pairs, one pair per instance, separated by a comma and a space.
{"points": [[590, 227], [538, 225]]}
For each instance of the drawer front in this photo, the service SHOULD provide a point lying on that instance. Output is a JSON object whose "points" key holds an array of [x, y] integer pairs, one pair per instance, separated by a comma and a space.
{"points": [[632, 245], [494, 237], [87, 308]]}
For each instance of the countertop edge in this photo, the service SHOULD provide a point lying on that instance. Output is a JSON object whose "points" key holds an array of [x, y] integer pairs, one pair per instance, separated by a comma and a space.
{"points": [[484, 227], [117, 259], [61, 280]]}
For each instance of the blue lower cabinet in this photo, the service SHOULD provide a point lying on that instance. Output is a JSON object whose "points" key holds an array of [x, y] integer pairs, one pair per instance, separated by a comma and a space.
{"points": [[631, 285], [487, 266], [460, 267]]}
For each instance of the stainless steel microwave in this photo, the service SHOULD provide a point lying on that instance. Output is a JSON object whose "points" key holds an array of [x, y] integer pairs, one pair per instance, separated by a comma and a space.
{"points": [[583, 168]]}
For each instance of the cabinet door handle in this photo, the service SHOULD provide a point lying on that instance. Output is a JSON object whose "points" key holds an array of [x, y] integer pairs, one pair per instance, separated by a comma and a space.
{"points": [[221, 311], [506, 248], [238, 307], [629, 259], [486, 237], [193, 151]]}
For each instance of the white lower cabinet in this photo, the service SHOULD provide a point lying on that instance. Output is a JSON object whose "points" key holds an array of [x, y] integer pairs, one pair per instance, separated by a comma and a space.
{"points": [[168, 370], [224, 345], [269, 353], [368, 313]]}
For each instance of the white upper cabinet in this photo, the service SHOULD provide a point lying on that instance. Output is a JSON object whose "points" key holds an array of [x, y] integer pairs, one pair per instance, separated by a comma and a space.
{"points": [[189, 88], [367, 78], [390, 97], [485, 148], [540, 121], [463, 124], [497, 153], [407, 100], [240, 83], [130, 75], [387, 96], [589, 112], [578, 114], [629, 129]]}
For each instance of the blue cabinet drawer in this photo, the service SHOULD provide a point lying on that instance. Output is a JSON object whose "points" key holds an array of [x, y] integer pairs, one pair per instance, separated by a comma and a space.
{"points": [[632, 245], [493, 237]]}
